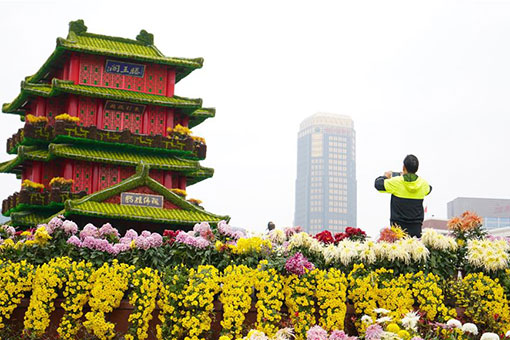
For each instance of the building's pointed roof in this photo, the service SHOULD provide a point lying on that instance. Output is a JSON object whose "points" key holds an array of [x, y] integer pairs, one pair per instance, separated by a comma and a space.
{"points": [[95, 205], [142, 49]]}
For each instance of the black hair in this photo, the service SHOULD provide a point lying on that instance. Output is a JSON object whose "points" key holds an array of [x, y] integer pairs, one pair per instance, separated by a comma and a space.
{"points": [[411, 163]]}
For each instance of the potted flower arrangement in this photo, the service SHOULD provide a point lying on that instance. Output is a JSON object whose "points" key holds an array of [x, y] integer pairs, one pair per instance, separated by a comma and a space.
{"points": [[39, 121], [30, 186], [66, 118], [178, 132], [60, 183]]}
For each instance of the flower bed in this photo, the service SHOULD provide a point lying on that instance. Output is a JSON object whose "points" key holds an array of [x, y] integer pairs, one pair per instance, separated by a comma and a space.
{"points": [[211, 283]]}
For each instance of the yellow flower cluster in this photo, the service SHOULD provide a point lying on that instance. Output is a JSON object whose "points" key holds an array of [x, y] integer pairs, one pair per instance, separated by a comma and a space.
{"points": [[270, 297], [179, 192], [174, 281], [110, 283], [179, 129], [429, 296], [32, 185], [41, 235], [36, 119], [362, 293], [331, 298], [251, 245], [300, 300], [197, 301], [236, 298], [15, 279], [485, 302], [394, 293], [146, 285], [369, 290], [76, 294], [67, 118], [49, 278], [60, 182]]}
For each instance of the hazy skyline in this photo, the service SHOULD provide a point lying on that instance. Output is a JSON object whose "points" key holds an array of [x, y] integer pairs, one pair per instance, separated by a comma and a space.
{"points": [[428, 78]]}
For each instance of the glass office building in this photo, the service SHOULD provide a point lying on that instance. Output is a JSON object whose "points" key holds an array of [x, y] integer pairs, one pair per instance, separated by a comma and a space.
{"points": [[326, 174]]}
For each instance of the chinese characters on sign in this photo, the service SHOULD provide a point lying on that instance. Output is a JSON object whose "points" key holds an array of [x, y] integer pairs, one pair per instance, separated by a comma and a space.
{"points": [[141, 200], [124, 107], [124, 69]]}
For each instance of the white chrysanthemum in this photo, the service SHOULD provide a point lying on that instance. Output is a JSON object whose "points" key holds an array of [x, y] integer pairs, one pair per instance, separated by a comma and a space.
{"points": [[470, 328], [277, 236], [315, 246], [454, 323], [410, 321], [384, 319], [487, 254], [256, 335], [284, 334], [300, 240], [489, 336], [367, 252], [390, 336], [507, 334], [434, 240], [416, 248], [330, 253], [366, 319], [347, 251], [381, 311], [398, 252]]}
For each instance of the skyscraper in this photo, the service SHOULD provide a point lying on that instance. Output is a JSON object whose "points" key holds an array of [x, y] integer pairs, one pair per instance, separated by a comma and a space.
{"points": [[326, 173]]}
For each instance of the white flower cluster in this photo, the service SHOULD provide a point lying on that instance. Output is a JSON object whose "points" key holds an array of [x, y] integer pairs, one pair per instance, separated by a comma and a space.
{"points": [[304, 240], [347, 251], [434, 240], [487, 254]]}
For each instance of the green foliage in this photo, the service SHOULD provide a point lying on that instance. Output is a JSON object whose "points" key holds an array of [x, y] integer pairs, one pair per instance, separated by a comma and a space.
{"points": [[145, 37], [77, 26]]}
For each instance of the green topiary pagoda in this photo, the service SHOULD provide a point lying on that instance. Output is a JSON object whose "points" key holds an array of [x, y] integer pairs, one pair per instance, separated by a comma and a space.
{"points": [[105, 139]]}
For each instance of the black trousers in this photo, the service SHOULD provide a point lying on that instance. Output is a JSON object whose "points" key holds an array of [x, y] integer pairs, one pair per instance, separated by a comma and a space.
{"points": [[413, 229]]}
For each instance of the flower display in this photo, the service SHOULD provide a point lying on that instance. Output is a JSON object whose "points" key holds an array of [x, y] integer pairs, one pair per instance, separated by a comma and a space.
{"points": [[61, 183], [237, 287], [270, 297], [31, 119], [32, 186], [298, 265], [67, 118]]}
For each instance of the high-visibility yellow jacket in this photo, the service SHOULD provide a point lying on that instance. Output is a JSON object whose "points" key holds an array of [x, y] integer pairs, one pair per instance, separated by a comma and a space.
{"points": [[407, 194]]}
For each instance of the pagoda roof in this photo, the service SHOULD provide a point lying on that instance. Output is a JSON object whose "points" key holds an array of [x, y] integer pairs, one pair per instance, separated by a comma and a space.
{"points": [[192, 169], [94, 205], [58, 87], [142, 49]]}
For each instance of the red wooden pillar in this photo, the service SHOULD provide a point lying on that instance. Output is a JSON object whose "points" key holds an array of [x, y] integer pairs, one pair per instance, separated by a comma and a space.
{"points": [[100, 113], [182, 182], [185, 121], [169, 120], [40, 107], [72, 105], [37, 172], [68, 169], [74, 68], [170, 82], [65, 74], [167, 180], [95, 179], [145, 120]]}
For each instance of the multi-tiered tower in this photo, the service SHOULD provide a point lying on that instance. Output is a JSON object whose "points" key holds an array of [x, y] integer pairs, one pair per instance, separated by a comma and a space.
{"points": [[102, 112]]}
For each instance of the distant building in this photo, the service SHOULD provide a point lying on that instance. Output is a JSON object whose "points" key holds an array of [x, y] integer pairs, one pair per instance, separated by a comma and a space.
{"points": [[495, 212], [326, 174]]}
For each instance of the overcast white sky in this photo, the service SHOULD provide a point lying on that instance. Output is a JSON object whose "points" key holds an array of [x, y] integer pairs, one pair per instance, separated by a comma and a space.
{"points": [[430, 78]]}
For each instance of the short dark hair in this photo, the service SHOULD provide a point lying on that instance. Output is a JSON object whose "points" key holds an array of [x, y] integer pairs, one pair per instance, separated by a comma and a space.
{"points": [[411, 163]]}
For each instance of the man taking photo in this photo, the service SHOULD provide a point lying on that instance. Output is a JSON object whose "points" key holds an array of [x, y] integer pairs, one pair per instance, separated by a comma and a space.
{"points": [[407, 193]]}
